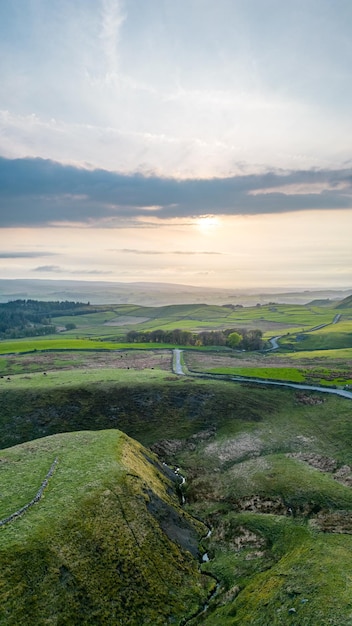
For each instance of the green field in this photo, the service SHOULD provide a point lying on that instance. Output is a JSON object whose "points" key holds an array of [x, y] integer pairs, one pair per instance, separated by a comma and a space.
{"points": [[111, 324], [274, 373], [198, 317], [318, 341], [54, 344], [342, 354], [313, 376]]}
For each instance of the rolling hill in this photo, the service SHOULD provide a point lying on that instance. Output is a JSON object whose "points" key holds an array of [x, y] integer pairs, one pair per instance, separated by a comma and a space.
{"points": [[106, 543]]}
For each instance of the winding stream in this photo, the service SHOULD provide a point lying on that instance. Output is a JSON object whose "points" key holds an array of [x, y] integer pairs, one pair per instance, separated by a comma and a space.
{"points": [[204, 559]]}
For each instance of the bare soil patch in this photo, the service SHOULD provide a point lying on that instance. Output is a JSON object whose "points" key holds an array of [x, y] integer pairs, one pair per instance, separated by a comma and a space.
{"points": [[318, 461], [259, 504], [245, 538], [167, 448], [241, 447], [333, 522], [341, 474], [344, 475], [303, 398]]}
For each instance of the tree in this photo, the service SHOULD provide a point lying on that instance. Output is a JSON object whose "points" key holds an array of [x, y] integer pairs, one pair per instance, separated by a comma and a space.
{"points": [[233, 340]]}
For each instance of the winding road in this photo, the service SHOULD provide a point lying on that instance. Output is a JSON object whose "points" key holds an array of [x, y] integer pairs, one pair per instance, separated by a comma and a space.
{"points": [[274, 343], [274, 340], [176, 363], [177, 368]]}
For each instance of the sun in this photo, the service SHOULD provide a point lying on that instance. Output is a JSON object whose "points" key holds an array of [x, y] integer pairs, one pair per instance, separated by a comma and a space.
{"points": [[207, 223]]}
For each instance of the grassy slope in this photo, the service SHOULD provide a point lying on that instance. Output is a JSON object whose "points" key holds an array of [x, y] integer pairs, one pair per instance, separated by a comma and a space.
{"points": [[333, 336], [342, 354], [148, 405], [293, 565], [91, 552]]}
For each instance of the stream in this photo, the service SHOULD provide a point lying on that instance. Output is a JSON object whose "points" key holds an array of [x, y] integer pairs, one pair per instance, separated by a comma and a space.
{"points": [[204, 559]]}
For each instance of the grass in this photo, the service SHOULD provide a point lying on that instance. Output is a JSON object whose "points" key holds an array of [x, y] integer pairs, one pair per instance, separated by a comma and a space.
{"points": [[284, 562], [295, 482], [82, 555], [81, 377], [148, 404], [297, 579], [274, 373], [319, 341], [52, 343], [334, 336], [49, 361], [342, 354], [315, 376]]}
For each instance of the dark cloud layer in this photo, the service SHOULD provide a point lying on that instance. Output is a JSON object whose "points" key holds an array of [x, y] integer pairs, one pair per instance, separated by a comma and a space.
{"points": [[38, 192]]}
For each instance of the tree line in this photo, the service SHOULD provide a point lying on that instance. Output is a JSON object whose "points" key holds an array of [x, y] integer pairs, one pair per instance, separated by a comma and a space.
{"points": [[32, 318], [241, 339]]}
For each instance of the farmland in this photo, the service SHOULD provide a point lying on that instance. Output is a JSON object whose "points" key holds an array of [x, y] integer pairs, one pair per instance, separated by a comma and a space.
{"points": [[314, 341]]}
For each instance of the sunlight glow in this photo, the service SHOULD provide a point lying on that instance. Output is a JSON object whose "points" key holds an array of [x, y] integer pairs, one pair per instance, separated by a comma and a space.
{"points": [[207, 223]]}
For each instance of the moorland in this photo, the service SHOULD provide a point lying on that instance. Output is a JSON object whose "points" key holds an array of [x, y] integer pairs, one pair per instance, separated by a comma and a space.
{"points": [[260, 531]]}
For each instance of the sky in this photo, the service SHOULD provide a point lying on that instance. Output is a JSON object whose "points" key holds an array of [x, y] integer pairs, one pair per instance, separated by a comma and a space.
{"points": [[191, 141]]}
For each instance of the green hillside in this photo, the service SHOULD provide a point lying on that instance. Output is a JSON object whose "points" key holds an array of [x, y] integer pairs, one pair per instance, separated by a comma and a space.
{"points": [[346, 303], [106, 544]]}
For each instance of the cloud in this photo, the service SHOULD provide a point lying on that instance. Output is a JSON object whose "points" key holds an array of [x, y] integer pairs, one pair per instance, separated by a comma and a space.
{"points": [[44, 192], [59, 270], [90, 272], [112, 20], [47, 268], [25, 255], [152, 252]]}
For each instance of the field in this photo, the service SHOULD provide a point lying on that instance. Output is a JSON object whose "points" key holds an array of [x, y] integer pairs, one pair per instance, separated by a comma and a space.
{"points": [[119, 320]]}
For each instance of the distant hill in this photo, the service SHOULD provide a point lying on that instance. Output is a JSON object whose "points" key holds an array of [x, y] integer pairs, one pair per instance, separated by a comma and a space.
{"points": [[345, 304], [320, 302], [154, 294], [107, 543]]}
